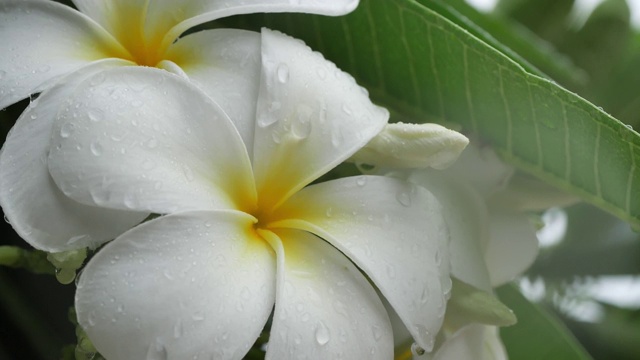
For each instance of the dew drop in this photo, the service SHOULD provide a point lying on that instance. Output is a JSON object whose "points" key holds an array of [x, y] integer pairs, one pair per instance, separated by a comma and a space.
{"points": [[197, 316], [391, 271], [2, 74], [346, 109], [34, 116], [426, 293], [152, 143], [377, 332], [188, 173], [329, 212], [265, 120], [361, 181], [282, 72], [95, 115], [438, 258], [301, 126], [336, 138], [91, 319], [66, 130], [403, 198], [130, 200], [322, 334], [96, 148], [178, 329]]}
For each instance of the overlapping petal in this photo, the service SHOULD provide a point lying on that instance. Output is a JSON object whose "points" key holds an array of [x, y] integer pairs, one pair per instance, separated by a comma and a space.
{"points": [[467, 217], [225, 64], [190, 285], [473, 342], [394, 231], [57, 223], [43, 40], [306, 107], [513, 246], [325, 308], [126, 144]]}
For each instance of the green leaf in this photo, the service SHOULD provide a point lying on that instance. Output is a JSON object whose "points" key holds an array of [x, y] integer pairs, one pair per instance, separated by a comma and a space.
{"points": [[515, 41], [538, 335], [426, 68]]}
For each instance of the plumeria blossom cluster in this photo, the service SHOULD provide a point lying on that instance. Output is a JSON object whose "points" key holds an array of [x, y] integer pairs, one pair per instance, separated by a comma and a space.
{"points": [[218, 140]]}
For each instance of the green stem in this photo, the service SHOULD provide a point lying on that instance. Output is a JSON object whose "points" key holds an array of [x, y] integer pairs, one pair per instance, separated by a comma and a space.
{"points": [[32, 260]]}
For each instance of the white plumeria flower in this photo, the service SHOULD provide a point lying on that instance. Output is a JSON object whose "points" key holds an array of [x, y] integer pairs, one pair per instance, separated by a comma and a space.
{"points": [[244, 228], [50, 48]]}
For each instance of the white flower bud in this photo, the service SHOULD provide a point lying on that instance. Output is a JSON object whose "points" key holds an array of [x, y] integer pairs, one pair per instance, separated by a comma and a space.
{"points": [[402, 145]]}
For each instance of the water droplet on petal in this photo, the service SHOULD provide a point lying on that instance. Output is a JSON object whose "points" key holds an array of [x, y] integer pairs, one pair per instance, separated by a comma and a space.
{"points": [[96, 148], [346, 109], [2, 74], [282, 72], [95, 115], [336, 138], [301, 125], [361, 181], [377, 332], [198, 316], [188, 173], [177, 329], [426, 293], [391, 271], [91, 319], [322, 333], [329, 212], [404, 198], [34, 116], [66, 130]]}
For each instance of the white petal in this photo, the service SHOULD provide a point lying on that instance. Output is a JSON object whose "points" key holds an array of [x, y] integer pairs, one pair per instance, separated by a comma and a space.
{"points": [[393, 230], [513, 246], [165, 20], [325, 308], [42, 40], [482, 168], [306, 107], [225, 64], [189, 285], [141, 138], [31, 201], [474, 342], [467, 218]]}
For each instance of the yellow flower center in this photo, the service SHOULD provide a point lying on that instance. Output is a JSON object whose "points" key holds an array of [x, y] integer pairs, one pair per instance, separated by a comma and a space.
{"points": [[129, 31]]}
